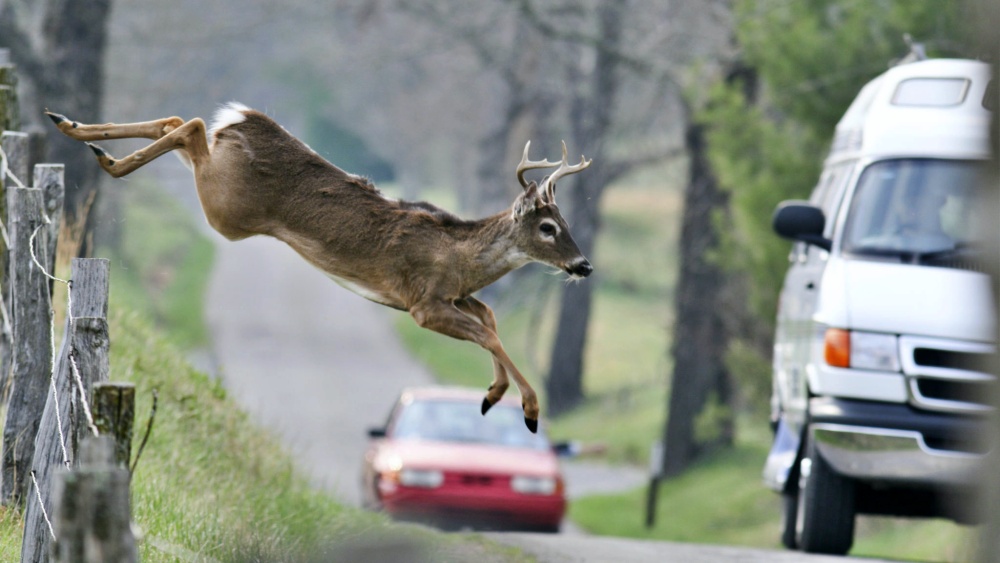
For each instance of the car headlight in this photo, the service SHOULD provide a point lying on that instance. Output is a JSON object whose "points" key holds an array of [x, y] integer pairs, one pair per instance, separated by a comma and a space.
{"points": [[534, 485], [426, 478], [862, 350]]}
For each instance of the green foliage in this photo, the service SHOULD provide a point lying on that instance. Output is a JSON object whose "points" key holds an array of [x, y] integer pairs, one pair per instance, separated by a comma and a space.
{"points": [[810, 59], [814, 55], [753, 377], [761, 162]]}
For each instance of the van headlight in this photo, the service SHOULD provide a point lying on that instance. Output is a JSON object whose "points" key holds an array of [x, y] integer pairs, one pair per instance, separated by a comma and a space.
{"points": [[425, 478], [534, 485], [861, 350]]}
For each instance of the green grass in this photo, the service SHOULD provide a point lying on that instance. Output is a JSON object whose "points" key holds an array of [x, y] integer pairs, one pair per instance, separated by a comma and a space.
{"points": [[719, 501]]}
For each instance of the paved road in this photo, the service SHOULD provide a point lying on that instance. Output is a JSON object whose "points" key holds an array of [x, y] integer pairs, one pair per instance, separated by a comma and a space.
{"points": [[595, 549]]}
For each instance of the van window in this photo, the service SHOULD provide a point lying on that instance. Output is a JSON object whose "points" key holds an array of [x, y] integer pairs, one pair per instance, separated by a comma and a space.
{"points": [[828, 192], [909, 208], [930, 92]]}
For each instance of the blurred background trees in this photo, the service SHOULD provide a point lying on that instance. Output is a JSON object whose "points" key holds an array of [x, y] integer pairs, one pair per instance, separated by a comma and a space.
{"points": [[439, 96]]}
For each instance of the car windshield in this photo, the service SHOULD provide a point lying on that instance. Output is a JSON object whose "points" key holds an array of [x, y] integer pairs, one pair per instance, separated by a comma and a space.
{"points": [[916, 207], [460, 421]]}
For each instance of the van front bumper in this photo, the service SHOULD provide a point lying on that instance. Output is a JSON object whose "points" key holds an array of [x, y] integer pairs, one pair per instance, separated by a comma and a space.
{"points": [[880, 442]]}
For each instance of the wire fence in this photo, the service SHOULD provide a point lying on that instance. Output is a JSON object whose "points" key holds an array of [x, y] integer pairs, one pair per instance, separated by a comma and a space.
{"points": [[39, 460]]}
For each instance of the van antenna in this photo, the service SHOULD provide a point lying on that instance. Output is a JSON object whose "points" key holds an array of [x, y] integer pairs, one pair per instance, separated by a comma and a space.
{"points": [[917, 52]]}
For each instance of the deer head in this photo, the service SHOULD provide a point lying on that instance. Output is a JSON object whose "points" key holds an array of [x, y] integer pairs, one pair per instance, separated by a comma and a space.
{"points": [[542, 233]]}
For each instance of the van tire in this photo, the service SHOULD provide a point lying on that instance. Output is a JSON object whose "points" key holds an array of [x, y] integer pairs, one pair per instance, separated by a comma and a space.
{"points": [[826, 507], [789, 508]]}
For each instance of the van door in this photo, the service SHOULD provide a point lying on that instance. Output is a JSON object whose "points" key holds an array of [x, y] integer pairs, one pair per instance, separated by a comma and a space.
{"points": [[797, 304]]}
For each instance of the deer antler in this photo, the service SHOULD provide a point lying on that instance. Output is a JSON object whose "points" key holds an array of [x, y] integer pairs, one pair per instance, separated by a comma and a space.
{"points": [[548, 186], [526, 165]]}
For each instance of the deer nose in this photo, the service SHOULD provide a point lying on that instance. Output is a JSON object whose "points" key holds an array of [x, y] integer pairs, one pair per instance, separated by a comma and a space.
{"points": [[581, 268]]}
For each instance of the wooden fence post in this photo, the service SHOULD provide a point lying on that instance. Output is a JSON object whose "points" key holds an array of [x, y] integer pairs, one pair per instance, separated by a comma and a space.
{"points": [[51, 180], [31, 365], [15, 146], [88, 341], [114, 415], [92, 518]]}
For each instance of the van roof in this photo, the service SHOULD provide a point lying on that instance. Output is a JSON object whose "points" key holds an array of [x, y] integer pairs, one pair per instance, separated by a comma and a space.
{"points": [[931, 108]]}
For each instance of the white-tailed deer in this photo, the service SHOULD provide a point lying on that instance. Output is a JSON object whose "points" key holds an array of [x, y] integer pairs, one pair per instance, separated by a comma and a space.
{"points": [[254, 178]]}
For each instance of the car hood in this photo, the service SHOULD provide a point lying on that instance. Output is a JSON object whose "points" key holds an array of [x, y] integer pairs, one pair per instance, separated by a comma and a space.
{"points": [[904, 298], [460, 457]]}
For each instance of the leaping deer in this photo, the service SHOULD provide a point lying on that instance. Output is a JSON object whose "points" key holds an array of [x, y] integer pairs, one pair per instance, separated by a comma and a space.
{"points": [[255, 178]]}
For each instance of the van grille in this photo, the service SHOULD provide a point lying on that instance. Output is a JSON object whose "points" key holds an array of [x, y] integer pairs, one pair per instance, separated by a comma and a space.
{"points": [[946, 375]]}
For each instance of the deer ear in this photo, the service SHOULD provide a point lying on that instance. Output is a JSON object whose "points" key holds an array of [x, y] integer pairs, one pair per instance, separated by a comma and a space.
{"points": [[527, 201]]}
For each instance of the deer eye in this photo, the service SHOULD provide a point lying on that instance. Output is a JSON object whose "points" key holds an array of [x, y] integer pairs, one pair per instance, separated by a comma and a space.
{"points": [[547, 229]]}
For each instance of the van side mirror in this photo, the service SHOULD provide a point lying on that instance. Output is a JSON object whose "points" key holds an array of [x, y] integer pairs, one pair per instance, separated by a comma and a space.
{"points": [[797, 220]]}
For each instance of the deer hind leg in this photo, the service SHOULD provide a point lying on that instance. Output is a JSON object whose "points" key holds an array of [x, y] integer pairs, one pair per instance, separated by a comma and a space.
{"points": [[169, 134], [145, 130], [458, 321]]}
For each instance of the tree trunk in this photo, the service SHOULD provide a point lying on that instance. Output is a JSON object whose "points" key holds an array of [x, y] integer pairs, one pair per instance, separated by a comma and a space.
{"points": [[590, 121], [700, 332], [564, 385], [65, 73]]}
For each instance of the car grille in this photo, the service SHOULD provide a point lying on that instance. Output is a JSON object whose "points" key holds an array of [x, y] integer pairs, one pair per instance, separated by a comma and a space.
{"points": [[946, 375], [476, 480]]}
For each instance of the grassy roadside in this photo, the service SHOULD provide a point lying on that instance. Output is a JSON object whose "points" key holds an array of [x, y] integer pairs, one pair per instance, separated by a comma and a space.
{"points": [[721, 500], [211, 484]]}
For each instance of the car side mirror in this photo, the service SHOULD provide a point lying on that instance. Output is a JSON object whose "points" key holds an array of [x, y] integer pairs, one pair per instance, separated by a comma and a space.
{"points": [[797, 220], [376, 432], [566, 449]]}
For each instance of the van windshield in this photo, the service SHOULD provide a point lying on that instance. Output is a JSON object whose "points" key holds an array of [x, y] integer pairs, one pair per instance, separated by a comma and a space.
{"points": [[915, 209]]}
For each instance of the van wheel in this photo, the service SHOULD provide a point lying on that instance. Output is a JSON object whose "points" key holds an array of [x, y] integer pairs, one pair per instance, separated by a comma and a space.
{"points": [[789, 508], [825, 511]]}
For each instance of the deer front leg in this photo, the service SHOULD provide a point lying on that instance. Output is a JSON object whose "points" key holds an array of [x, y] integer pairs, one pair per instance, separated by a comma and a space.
{"points": [[481, 312], [447, 318]]}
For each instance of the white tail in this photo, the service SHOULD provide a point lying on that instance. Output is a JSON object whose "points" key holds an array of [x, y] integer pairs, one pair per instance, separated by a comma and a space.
{"points": [[254, 178]]}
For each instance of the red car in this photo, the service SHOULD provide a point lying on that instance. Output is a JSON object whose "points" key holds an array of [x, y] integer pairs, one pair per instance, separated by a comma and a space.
{"points": [[439, 461]]}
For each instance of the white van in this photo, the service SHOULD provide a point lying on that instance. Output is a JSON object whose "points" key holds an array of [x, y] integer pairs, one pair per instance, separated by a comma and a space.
{"points": [[885, 312]]}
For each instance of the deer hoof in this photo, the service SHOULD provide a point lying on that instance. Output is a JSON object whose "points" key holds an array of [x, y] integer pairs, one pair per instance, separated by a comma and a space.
{"points": [[532, 424], [486, 405], [101, 154], [56, 117]]}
